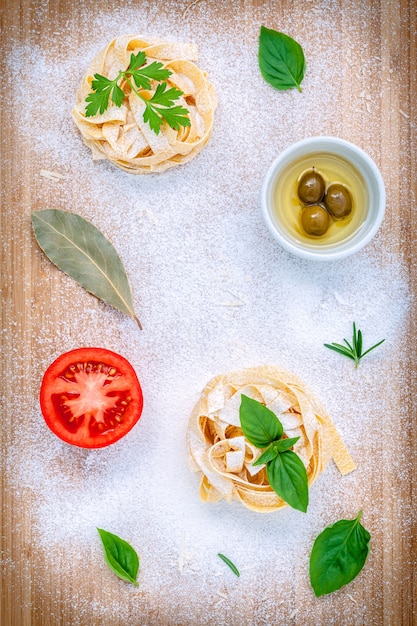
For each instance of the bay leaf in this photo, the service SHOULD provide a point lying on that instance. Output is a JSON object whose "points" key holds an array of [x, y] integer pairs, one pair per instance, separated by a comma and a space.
{"points": [[81, 250]]}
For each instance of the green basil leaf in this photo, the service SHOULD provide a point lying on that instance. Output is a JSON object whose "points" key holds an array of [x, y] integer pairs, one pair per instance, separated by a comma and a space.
{"points": [[80, 250], [275, 448], [285, 444], [338, 555], [121, 558], [269, 454], [288, 478], [259, 424], [281, 59]]}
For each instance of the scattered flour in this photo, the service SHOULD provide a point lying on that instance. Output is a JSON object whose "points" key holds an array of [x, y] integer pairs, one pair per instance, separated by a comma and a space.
{"points": [[214, 292]]}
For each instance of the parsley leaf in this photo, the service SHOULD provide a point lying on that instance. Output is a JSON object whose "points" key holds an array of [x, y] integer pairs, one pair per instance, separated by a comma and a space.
{"points": [[136, 60], [153, 71], [159, 108], [166, 98], [142, 75], [104, 88]]}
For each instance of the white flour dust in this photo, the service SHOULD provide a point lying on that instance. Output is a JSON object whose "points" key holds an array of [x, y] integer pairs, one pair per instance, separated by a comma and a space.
{"points": [[214, 293]]}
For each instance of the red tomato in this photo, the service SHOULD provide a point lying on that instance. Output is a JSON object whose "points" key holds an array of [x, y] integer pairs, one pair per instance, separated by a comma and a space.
{"points": [[91, 397]]}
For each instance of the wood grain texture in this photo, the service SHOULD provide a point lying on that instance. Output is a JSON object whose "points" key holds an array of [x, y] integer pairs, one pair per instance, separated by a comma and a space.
{"points": [[32, 593]]}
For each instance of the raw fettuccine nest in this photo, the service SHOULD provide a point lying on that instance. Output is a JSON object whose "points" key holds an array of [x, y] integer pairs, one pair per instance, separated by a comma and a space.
{"points": [[223, 456], [120, 134]]}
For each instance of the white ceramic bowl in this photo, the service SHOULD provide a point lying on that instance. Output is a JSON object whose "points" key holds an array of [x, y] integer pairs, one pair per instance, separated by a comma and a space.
{"points": [[373, 190]]}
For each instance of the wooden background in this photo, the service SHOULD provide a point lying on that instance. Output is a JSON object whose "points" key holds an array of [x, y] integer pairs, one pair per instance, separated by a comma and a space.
{"points": [[24, 601]]}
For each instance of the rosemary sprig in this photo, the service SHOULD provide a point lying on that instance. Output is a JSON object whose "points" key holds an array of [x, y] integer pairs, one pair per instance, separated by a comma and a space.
{"points": [[353, 350], [229, 563]]}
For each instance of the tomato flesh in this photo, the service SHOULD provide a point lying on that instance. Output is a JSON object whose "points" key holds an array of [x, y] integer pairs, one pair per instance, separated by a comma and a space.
{"points": [[91, 397]]}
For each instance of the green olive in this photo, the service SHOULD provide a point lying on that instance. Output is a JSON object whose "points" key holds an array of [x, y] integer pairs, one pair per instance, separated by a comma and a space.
{"points": [[338, 200], [315, 220], [311, 187]]}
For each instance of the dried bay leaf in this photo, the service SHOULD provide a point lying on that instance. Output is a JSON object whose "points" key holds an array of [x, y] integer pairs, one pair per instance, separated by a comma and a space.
{"points": [[80, 250]]}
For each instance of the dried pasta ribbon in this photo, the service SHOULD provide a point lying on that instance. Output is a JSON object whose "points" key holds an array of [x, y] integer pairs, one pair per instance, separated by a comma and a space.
{"points": [[120, 134], [223, 457]]}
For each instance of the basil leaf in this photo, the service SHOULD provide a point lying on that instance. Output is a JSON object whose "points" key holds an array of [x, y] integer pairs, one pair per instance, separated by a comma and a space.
{"points": [[119, 555], [269, 454], [275, 448], [285, 444], [80, 250], [338, 555], [259, 424], [288, 478], [281, 59]]}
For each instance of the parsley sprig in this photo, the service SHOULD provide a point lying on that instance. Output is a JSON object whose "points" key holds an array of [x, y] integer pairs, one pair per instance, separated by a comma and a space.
{"points": [[353, 350], [159, 108]]}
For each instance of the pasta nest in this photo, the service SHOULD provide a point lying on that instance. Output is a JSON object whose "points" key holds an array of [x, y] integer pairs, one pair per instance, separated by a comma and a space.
{"points": [[120, 133], [224, 458]]}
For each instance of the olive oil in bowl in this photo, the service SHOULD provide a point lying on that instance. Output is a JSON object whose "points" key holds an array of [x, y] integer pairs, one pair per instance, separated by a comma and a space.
{"points": [[354, 197], [288, 206]]}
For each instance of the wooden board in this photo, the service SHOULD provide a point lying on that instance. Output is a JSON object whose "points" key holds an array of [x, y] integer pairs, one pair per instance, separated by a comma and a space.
{"points": [[377, 71]]}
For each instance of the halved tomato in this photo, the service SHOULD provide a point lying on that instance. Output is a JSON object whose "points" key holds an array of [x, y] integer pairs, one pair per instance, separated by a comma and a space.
{"points": [[91, 397]]}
